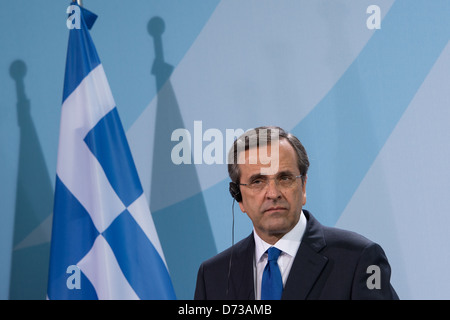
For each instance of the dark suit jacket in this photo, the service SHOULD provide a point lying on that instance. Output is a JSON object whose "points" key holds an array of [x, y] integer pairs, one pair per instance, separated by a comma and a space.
{"points": [[330, 264]]}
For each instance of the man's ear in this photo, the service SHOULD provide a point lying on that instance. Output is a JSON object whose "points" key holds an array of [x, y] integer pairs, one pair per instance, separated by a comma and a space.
{"points": [[241, 205]]}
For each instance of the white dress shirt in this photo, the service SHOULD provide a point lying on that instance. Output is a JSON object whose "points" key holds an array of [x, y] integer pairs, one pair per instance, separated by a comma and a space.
{"points": [[288, 245]]}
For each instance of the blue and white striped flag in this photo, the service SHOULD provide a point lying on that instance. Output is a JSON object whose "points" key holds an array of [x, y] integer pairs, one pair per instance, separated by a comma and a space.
{"points": [[104, 243]]}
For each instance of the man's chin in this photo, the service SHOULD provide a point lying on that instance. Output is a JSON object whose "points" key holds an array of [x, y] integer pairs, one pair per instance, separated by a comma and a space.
{"points": [[278, 224], [278, 228]]}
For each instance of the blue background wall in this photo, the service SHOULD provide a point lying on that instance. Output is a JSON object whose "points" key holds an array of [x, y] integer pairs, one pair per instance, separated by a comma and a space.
{"points": [[370, 105]]}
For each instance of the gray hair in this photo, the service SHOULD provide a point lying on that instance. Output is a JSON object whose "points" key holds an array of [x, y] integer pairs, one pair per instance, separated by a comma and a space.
{"points": [[263, 136]]}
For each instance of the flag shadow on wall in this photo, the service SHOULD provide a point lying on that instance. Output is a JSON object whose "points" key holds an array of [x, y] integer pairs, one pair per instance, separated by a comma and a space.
{"points": [[34, 204], [183, 227]]}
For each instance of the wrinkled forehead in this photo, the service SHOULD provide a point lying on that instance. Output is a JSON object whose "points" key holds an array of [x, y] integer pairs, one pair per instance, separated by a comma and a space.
{"points": [[259, 155], [268, 159]]}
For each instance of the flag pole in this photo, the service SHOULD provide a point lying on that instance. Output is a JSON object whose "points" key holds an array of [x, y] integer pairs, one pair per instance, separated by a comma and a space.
{"points": [[80, 2]]}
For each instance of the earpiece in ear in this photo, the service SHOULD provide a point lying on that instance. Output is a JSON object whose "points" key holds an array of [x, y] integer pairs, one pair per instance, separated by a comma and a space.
{"points": [[235, 191]]}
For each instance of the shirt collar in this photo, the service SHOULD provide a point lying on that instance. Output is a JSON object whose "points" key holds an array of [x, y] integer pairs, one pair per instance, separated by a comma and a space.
{"points": [[289, 243]]}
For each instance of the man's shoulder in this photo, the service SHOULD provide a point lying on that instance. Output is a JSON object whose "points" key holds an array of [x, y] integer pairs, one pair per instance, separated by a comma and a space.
{"points": [[224, 257], [335, 237], [342, 246]]}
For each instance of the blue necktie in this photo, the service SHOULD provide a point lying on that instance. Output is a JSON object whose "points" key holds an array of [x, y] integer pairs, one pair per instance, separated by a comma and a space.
{"points": [[272, 283]]}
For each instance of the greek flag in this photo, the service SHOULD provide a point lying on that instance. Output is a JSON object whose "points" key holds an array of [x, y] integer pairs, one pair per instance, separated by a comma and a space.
{"points": [[104, 243]]}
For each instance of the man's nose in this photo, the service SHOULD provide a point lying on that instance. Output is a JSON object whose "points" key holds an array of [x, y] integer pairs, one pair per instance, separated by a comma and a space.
{"points": [[273, 190]]}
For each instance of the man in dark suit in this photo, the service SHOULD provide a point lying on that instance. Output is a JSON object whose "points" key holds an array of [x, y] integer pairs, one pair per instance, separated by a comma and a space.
{"points": [[289, 254]]}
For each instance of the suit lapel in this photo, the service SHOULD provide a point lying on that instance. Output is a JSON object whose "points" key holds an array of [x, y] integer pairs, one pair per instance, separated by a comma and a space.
{"points": [[242, 270], [308, 263], [306, 268]]}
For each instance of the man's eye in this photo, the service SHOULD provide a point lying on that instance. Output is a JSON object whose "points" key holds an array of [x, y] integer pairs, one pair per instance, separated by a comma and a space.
{"points": [[257, 181]]}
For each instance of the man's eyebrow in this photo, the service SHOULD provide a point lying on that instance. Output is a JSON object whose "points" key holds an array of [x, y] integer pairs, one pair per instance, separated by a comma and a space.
{"points": [[263, 176], [285, 172], [256, 176]]}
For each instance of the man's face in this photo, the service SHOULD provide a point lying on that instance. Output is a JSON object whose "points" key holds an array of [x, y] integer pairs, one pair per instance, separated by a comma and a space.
{"points": [[275, 209]]}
